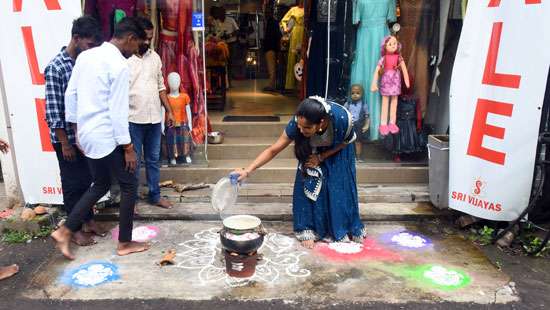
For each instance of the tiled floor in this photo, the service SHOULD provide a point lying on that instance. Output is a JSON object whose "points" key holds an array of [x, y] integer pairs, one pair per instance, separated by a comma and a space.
{"points": [[246, 98]]}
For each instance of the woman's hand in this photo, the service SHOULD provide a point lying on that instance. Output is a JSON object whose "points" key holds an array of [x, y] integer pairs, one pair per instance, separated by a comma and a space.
{"points": [[313, 161], [243, 174]]}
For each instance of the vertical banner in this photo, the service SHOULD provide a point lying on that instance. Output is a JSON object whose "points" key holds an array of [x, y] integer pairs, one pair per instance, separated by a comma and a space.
{"points": [[32, 33], [497, 90]]}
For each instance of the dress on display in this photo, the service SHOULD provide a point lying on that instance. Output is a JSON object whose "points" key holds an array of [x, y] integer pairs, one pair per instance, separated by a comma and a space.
{"points": [[340, 46], [296, 14], [408, 139], [373, 17], [418, 34], [105, 11]]}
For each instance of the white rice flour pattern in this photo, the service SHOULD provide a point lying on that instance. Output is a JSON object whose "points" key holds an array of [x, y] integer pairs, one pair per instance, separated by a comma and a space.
{"points": [[204, 254]]}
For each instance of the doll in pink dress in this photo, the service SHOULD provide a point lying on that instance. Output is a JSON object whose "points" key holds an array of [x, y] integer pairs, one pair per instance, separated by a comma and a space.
{"points": [[389, 69]]}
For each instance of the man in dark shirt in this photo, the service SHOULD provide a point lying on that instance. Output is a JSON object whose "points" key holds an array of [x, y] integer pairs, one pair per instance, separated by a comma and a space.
{"points": [[75, 174], [271, 46]]}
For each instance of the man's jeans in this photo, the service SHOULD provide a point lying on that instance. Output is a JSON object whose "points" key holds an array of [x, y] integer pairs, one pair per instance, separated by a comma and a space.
{"points": [[75, 179], [102, 169], [146, 137]]}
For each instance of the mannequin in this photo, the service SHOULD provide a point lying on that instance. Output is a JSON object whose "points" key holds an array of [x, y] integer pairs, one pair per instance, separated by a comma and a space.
{"points": [[179, 54], [372, 18], [178, 137], [296, 31], [360, 114]]}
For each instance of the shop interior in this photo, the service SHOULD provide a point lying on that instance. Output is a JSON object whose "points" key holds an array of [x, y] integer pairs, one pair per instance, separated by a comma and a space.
{"points": [[262, 57]]}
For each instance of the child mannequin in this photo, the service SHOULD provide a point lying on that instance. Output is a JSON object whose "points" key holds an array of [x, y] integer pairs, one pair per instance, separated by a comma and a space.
{"points": [[390, 66], [360, 114], [178, 137]]}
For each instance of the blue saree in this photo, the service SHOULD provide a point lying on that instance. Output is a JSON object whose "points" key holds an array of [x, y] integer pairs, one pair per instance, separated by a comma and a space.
{"points": [[330, 212]]}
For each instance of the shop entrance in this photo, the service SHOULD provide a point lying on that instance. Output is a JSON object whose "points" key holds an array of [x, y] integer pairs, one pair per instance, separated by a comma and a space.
{"points": [[246, 62]]}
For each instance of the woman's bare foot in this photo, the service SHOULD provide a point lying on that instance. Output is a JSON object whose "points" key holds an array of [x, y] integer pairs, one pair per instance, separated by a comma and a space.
{"points": [[8, 271], [164, 203], [125, 248], [83, 239], [92, 227], [308, 244], [62, 237]]}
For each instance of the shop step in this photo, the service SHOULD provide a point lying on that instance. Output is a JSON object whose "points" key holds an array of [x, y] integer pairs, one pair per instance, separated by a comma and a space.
{"points": [[275, 212], [282, 193], [250, 147], [284, 171], [250, 129]]}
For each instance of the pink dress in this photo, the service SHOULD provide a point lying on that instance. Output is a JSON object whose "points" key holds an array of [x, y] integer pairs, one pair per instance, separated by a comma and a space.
{"points": [[390, 81]]}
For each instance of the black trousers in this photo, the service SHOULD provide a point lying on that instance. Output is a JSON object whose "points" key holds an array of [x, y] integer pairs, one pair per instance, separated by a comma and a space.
{"points": [[101, 172], [75, 180]]}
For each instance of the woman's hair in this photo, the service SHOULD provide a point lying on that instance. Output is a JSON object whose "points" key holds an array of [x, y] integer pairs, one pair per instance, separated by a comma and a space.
{"points": [[313, 111]]}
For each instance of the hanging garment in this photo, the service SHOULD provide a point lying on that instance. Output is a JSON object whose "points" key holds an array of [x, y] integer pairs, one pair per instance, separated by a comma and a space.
{"points": [[408, 139], [340, 49], [105, 11], [373, 17], [418, 35], [296, 15]]}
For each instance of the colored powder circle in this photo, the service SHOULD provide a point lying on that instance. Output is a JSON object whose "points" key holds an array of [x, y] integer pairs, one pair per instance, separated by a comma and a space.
{"points": [[406, 240], [368, 250], [140, 233], [442, 277], [91, 274]]}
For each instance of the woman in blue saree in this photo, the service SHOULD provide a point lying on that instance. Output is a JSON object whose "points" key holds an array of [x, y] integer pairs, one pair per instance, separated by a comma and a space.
{"points": [[325, 204]]}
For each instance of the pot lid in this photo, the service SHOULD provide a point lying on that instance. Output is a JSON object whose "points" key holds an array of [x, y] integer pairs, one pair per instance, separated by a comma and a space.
{"points": [[224, 194], [241, 222]]}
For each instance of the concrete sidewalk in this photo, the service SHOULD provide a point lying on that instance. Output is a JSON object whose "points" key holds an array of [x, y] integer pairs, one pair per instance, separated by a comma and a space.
{"points": [[398, 263]]}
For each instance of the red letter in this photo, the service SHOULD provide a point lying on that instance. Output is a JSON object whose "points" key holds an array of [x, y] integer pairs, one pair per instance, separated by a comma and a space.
{"points": [[490, 77], [43, 126], [51, 5], [36, 76], [480, 128], [496, 3]]}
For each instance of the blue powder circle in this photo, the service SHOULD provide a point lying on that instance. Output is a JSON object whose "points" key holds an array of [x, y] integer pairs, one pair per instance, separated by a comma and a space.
{"points": [[91, 274]]}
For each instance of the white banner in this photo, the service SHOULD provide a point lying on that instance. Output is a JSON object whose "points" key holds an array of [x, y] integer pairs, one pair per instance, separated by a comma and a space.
{"points": [[32, 33], [497, 89]]}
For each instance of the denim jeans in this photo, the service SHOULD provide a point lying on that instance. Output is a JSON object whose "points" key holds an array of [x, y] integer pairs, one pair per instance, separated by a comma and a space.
{"points": [[75, 179], [102, 169], [146, 140]]}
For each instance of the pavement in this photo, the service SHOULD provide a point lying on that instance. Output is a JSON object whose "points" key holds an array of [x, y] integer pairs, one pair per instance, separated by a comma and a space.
{"points": [[398, 263]]}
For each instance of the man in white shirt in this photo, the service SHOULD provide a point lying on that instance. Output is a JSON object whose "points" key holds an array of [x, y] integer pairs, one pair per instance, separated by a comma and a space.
{"points": [[147, 96], [96, 100]]}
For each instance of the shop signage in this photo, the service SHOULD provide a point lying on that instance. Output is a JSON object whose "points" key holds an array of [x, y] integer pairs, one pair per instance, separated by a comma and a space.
{"points": [[32, 33], [497, 90], [197, 22]]}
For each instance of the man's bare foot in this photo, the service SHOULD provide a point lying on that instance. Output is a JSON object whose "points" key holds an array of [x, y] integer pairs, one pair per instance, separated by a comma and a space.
{"points": [[83, 239], [308, 244], [62, 237], [164, 203], [125, 248], [8, 271], [92, 227]]}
